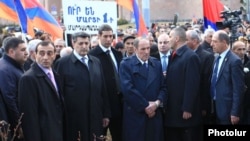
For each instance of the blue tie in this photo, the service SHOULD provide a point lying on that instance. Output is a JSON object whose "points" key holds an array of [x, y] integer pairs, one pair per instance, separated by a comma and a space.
{"points": [[164, 63], [214, 78], [144, 69], [84, 61]]}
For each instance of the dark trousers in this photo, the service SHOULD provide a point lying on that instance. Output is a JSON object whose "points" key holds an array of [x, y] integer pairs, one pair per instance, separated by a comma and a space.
{"points": [[246, 117], [115, 128], [183, 133]]}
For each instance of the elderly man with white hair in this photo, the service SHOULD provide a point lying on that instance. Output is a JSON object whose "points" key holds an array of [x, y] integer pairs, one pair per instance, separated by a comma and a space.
{"points": [[206, 44], [31, 50], [59, 44], [66, 51]]}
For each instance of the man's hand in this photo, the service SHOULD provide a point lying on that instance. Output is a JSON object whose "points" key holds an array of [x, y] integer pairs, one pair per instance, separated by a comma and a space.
{"points": [[186, 115], [150, 110], [105, 122], [234, 120]]}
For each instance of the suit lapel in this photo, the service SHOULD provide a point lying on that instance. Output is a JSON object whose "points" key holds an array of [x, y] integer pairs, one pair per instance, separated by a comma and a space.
{"points": [[40, 73], [223, 65], [151, 73]]}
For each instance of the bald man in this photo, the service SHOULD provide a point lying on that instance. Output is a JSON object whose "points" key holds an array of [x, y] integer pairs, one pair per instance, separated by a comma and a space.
{"points": [[206, 60], [183, 117], [163, 51], [227, 83], [239, 48]]}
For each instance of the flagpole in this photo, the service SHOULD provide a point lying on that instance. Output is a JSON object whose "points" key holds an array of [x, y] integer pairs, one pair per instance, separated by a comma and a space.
{"points": [[22, 19], [146, 12]]}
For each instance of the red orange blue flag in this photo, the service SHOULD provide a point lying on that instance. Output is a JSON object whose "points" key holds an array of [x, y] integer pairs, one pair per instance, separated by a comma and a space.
{"points": [[21, 16], [36, 15], [211, 12], [8, 10], [132, 6], [42, 19]]}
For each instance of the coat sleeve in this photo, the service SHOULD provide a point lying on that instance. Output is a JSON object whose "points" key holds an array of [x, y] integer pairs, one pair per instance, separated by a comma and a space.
{"points": [[192, 84], [238, 87], [28, 104], [130, 94], [9, 87]]}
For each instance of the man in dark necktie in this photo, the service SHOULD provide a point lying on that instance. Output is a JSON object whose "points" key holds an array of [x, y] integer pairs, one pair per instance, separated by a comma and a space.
{"points": [[40, 98], [143, 88], [86, 97], [110, 64], [183, 109], [227, 89], [206, 63]]}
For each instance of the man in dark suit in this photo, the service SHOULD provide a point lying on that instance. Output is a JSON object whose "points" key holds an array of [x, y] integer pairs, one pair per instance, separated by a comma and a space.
{"points": [[164, 52], [31, 48], [86, 97], [11, 70], [110, 60], [40, 98], [206, 62], [143, 89], [227, 82], [183, 110], [239, 48], [206, 44]]}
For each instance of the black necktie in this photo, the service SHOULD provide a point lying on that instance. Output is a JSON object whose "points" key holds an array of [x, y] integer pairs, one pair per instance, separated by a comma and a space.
{"points": [[214, 78], [117, 79]]}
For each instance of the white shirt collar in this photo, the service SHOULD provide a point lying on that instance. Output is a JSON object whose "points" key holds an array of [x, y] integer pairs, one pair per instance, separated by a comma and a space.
{"points": [[80, 57], [224, 53], [104, 49], [161, 54], [142, 62]]}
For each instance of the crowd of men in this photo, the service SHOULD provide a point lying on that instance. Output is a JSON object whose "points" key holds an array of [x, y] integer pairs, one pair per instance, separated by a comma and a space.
{"points": [[162, 87]]}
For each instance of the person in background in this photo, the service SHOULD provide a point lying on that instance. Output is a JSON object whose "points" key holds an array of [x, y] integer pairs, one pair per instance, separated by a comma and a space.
{"points": [[206, 44], [239, 49], [45, 37], [66, 51], [128, 42], [164, 52], [94, 42], [206, 63], [59, 44], [110, 60], [11, 71], [85, 95], [120, 47], [31, 49], [38, 34], [3, 40], [143, 89]]}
